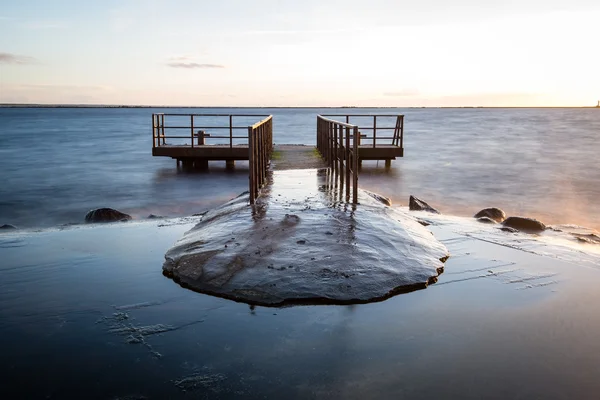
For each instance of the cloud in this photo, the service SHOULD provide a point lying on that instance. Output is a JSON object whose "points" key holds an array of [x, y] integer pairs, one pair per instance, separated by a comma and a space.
{"points": [[9, 58], [186, 62], [403, 93]]}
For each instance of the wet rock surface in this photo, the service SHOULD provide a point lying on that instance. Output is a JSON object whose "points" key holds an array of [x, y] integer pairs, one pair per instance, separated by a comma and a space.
{"points": [[301, 245], [106, 215], [486, 220], [524, 224], [493, 213], [416, 204], [382, 199]]}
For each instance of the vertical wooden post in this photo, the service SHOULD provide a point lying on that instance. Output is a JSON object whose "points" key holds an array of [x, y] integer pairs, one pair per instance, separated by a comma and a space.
{"points": [[355, 168], [250, 165], [230, 131], [402, 131], [192, 131], [347, 160], [153, 130], [162, 117], [340, 155], [375, 130]]}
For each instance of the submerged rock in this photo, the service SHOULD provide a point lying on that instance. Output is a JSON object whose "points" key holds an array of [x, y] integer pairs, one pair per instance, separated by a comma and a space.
{"points": [[493, 213], [328, 255], [7, 227], [152, 216], [106, 215], [382, 199], [416, 204], [524, 224], [486, 220]]}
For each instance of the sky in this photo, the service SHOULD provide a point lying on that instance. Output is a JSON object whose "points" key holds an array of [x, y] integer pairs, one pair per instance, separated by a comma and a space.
{"points": [[400, 53]]}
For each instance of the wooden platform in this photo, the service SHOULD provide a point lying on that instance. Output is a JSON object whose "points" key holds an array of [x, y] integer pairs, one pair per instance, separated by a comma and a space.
{"points": [[206, 152], [240, 152]]}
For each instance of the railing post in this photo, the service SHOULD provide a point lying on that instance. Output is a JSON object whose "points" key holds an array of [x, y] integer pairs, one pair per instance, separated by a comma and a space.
{"points": [[153, 130], [402, 131], [162, 124], [347, 161], [250, 165], [192, 130], [230, 131], [355, 168], [375, 129]]}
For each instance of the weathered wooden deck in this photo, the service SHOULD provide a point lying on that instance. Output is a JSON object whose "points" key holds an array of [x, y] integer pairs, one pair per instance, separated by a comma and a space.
{"points": [[207, 152]]}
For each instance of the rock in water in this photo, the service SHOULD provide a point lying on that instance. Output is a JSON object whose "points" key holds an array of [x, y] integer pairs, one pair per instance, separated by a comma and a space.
{"points": [[8, 227], [106, 215], [382, 199], [416, 204], [486, 220], [524, 224], [268, 256], [492, 213]]}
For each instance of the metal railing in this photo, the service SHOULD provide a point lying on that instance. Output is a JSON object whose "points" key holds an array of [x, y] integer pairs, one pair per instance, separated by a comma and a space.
{"points": [[199, 127], [368, 122], [260, 148], [338, 144]]}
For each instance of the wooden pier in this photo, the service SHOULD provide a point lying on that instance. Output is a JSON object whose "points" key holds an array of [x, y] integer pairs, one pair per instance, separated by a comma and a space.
{"points": [[194, 140]]}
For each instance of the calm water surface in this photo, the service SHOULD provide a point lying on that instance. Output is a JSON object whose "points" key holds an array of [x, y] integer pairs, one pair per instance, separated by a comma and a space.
{"points": [[57, 164], [86, 313]]}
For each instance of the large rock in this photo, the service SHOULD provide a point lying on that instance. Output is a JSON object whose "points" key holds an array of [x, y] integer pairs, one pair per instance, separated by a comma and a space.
{"points": [[416, 204], [106, 215], [304, 248], [524, 224], [492, 213]]}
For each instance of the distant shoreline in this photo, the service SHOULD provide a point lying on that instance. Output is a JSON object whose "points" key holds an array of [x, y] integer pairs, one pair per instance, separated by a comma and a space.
{"points": [[8, 105]]}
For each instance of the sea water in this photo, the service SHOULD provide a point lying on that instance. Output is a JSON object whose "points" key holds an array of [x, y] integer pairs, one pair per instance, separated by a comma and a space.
{"points": [[58, 163]]}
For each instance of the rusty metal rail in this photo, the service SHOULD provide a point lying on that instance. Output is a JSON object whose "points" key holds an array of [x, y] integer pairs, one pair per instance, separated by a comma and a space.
{"points": [[338, 144], [260, 148]]}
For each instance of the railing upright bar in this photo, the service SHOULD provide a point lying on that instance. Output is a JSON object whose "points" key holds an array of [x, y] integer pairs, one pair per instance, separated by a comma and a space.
{"points": [[347, 161], [230, 131], [251, 165], [153, 130], [162, 117], [192, 130], [402, 131], [374, 130], [355, 167]]}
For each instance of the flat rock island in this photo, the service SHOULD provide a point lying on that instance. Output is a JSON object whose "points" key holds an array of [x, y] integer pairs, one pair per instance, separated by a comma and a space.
{"points": [[300, 243]]}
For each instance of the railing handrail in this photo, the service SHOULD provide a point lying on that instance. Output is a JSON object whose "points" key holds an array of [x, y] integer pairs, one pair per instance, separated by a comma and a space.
{"points": [[270, 117], [212, 115], [197, 131], [362, 115], [344, 124]]}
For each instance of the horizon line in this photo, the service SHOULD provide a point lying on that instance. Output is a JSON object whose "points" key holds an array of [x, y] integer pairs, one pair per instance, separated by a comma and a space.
{"points": [[75, 105]]}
